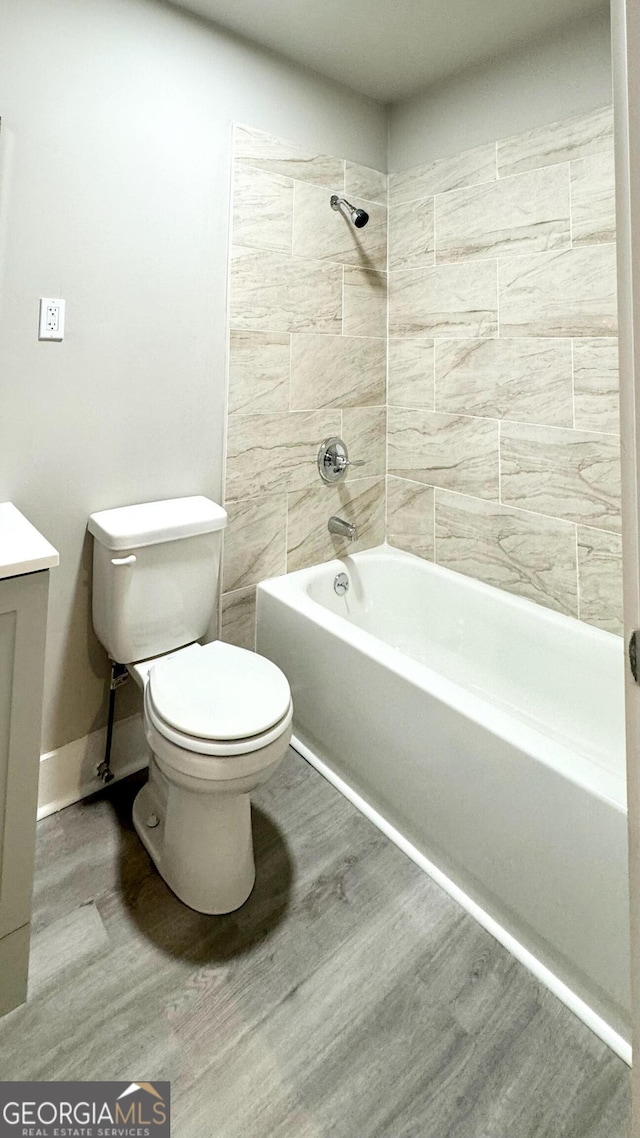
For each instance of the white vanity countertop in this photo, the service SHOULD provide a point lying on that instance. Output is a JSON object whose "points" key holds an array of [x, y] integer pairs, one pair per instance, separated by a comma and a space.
{"points": [[22, 548]]}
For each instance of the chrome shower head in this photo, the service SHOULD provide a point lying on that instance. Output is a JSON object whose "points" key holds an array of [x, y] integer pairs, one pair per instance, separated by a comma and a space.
{"points": [[358, 217]]}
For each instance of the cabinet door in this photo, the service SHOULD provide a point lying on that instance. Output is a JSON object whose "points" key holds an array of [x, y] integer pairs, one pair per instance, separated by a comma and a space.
{"points": [[23, 616]]}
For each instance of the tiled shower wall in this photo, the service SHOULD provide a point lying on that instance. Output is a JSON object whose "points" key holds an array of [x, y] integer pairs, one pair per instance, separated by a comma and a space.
{"points": [[503, 449], [307, 359]]}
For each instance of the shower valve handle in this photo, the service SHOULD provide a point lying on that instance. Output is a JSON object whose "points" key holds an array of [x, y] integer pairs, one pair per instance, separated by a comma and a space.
{"points": [[342, 463], [333, 460]]}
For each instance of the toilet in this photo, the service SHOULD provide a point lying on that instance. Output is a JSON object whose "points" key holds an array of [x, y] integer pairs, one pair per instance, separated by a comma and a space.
{"points": [[217, 718]]}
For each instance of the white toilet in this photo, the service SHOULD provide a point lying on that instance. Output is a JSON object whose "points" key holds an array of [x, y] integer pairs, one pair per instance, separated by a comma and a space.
{"points": [[217, 718]]}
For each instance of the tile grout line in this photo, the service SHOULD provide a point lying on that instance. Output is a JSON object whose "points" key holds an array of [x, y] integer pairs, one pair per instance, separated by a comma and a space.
{"points": [[386, 398], [578, 597], [500, 462], [573, 383]]}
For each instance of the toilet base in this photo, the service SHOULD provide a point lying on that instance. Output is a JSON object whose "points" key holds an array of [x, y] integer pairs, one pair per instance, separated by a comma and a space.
{"points": [[202, 845]]}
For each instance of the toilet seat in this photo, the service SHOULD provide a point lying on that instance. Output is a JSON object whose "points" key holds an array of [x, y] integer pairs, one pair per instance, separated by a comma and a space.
{"points": [[218, 700]]}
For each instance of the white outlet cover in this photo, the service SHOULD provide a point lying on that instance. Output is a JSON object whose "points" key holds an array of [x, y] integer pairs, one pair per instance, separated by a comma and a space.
{"points": [[51, 323]]}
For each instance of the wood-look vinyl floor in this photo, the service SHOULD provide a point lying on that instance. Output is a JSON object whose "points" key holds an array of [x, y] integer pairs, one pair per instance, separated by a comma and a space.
{"points": [[349, 998]]}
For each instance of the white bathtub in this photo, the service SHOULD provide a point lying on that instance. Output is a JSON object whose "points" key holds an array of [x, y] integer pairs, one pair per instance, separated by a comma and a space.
{"points": [[485, 735]]}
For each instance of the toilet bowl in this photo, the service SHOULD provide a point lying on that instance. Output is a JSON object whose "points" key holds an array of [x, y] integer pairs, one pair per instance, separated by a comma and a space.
{"points": [[217, 717], [218, 722]]}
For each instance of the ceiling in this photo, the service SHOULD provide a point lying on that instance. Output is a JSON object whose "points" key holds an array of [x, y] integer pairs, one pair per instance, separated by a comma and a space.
{"points": [[388, 49]]}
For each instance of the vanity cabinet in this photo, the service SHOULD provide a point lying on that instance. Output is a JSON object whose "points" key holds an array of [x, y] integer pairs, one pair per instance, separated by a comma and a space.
{"points": [[23, 624]]}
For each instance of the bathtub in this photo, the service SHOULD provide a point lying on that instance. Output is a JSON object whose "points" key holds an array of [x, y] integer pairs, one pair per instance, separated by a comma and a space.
{"points": [[485, 735]]}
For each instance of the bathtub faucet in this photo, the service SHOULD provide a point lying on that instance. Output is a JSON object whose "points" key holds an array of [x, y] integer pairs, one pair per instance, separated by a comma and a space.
{"points": [[341, 528]]}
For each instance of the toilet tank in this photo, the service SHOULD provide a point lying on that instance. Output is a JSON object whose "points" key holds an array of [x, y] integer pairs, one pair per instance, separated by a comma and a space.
{"points": [[155, 575]]}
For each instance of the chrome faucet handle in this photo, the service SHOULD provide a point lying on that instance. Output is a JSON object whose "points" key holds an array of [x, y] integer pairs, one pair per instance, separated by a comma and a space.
{"points": [[342, 463], [333, 460]]}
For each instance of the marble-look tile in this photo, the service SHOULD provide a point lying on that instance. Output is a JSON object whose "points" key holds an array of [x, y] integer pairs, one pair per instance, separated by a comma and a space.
{"points": [[453, 452], [527, 380], [529, 213], [593, 199], [337, 371], [596, 387], [449, 300], [570, 293], [562, 473], [268, 152], [600, 578], [255, 541], [365, 303], [557, 142], [468, 168], [364, 430], [274, 292], [364, 182], [322, 233], [259, 365], [238, 618], [262, 209], [410, 373], [525, 554], [361, 502], [410, 518], [411, 239], [270, 454]]}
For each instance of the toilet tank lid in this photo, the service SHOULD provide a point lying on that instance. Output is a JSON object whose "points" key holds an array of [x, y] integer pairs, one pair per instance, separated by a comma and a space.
{"points": [[128, 527]]}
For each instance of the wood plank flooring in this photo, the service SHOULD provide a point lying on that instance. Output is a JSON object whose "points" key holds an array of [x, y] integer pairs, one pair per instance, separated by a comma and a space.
{"points": [[349, 998]]}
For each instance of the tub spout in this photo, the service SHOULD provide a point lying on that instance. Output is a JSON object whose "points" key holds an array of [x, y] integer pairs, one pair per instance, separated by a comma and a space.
{"points": [[341, 528]]}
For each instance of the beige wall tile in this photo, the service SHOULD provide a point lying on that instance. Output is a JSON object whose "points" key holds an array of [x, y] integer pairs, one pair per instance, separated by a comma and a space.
{"points": [[410, 518], [259, 364], [595, 377], [255, 541], [410, 377], [262, 209], [238, 618], [449, 300], [525, 214], [444, 450], [363, 182], [565, 474], [337, 371], [273, 292], [364, 430], [365, 303], [361, 502], [571, 293], [600, 578], [593, 199], [527, 380], [265, 151], [525, 554], [557, 142], [465, 169], [322, 233], [411, 241], [270, 454]]}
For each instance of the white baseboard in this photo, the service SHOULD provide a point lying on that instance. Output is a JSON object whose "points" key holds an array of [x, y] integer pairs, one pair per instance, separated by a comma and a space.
{"points": [[69, 773]]}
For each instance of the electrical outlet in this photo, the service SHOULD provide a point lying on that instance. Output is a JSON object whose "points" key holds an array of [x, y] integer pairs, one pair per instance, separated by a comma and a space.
{"points": [[51, 326]]}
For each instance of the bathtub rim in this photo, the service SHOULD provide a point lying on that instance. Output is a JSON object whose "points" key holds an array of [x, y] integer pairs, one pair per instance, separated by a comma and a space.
{"points": [[290, 589], [562, 991]]}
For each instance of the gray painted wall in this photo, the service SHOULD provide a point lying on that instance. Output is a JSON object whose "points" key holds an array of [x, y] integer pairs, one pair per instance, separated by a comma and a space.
{"points": [[114, 193], [565, 75]]}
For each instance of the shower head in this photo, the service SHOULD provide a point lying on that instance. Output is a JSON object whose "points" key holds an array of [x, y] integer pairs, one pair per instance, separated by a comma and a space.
{"points": [[358, 217]]}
